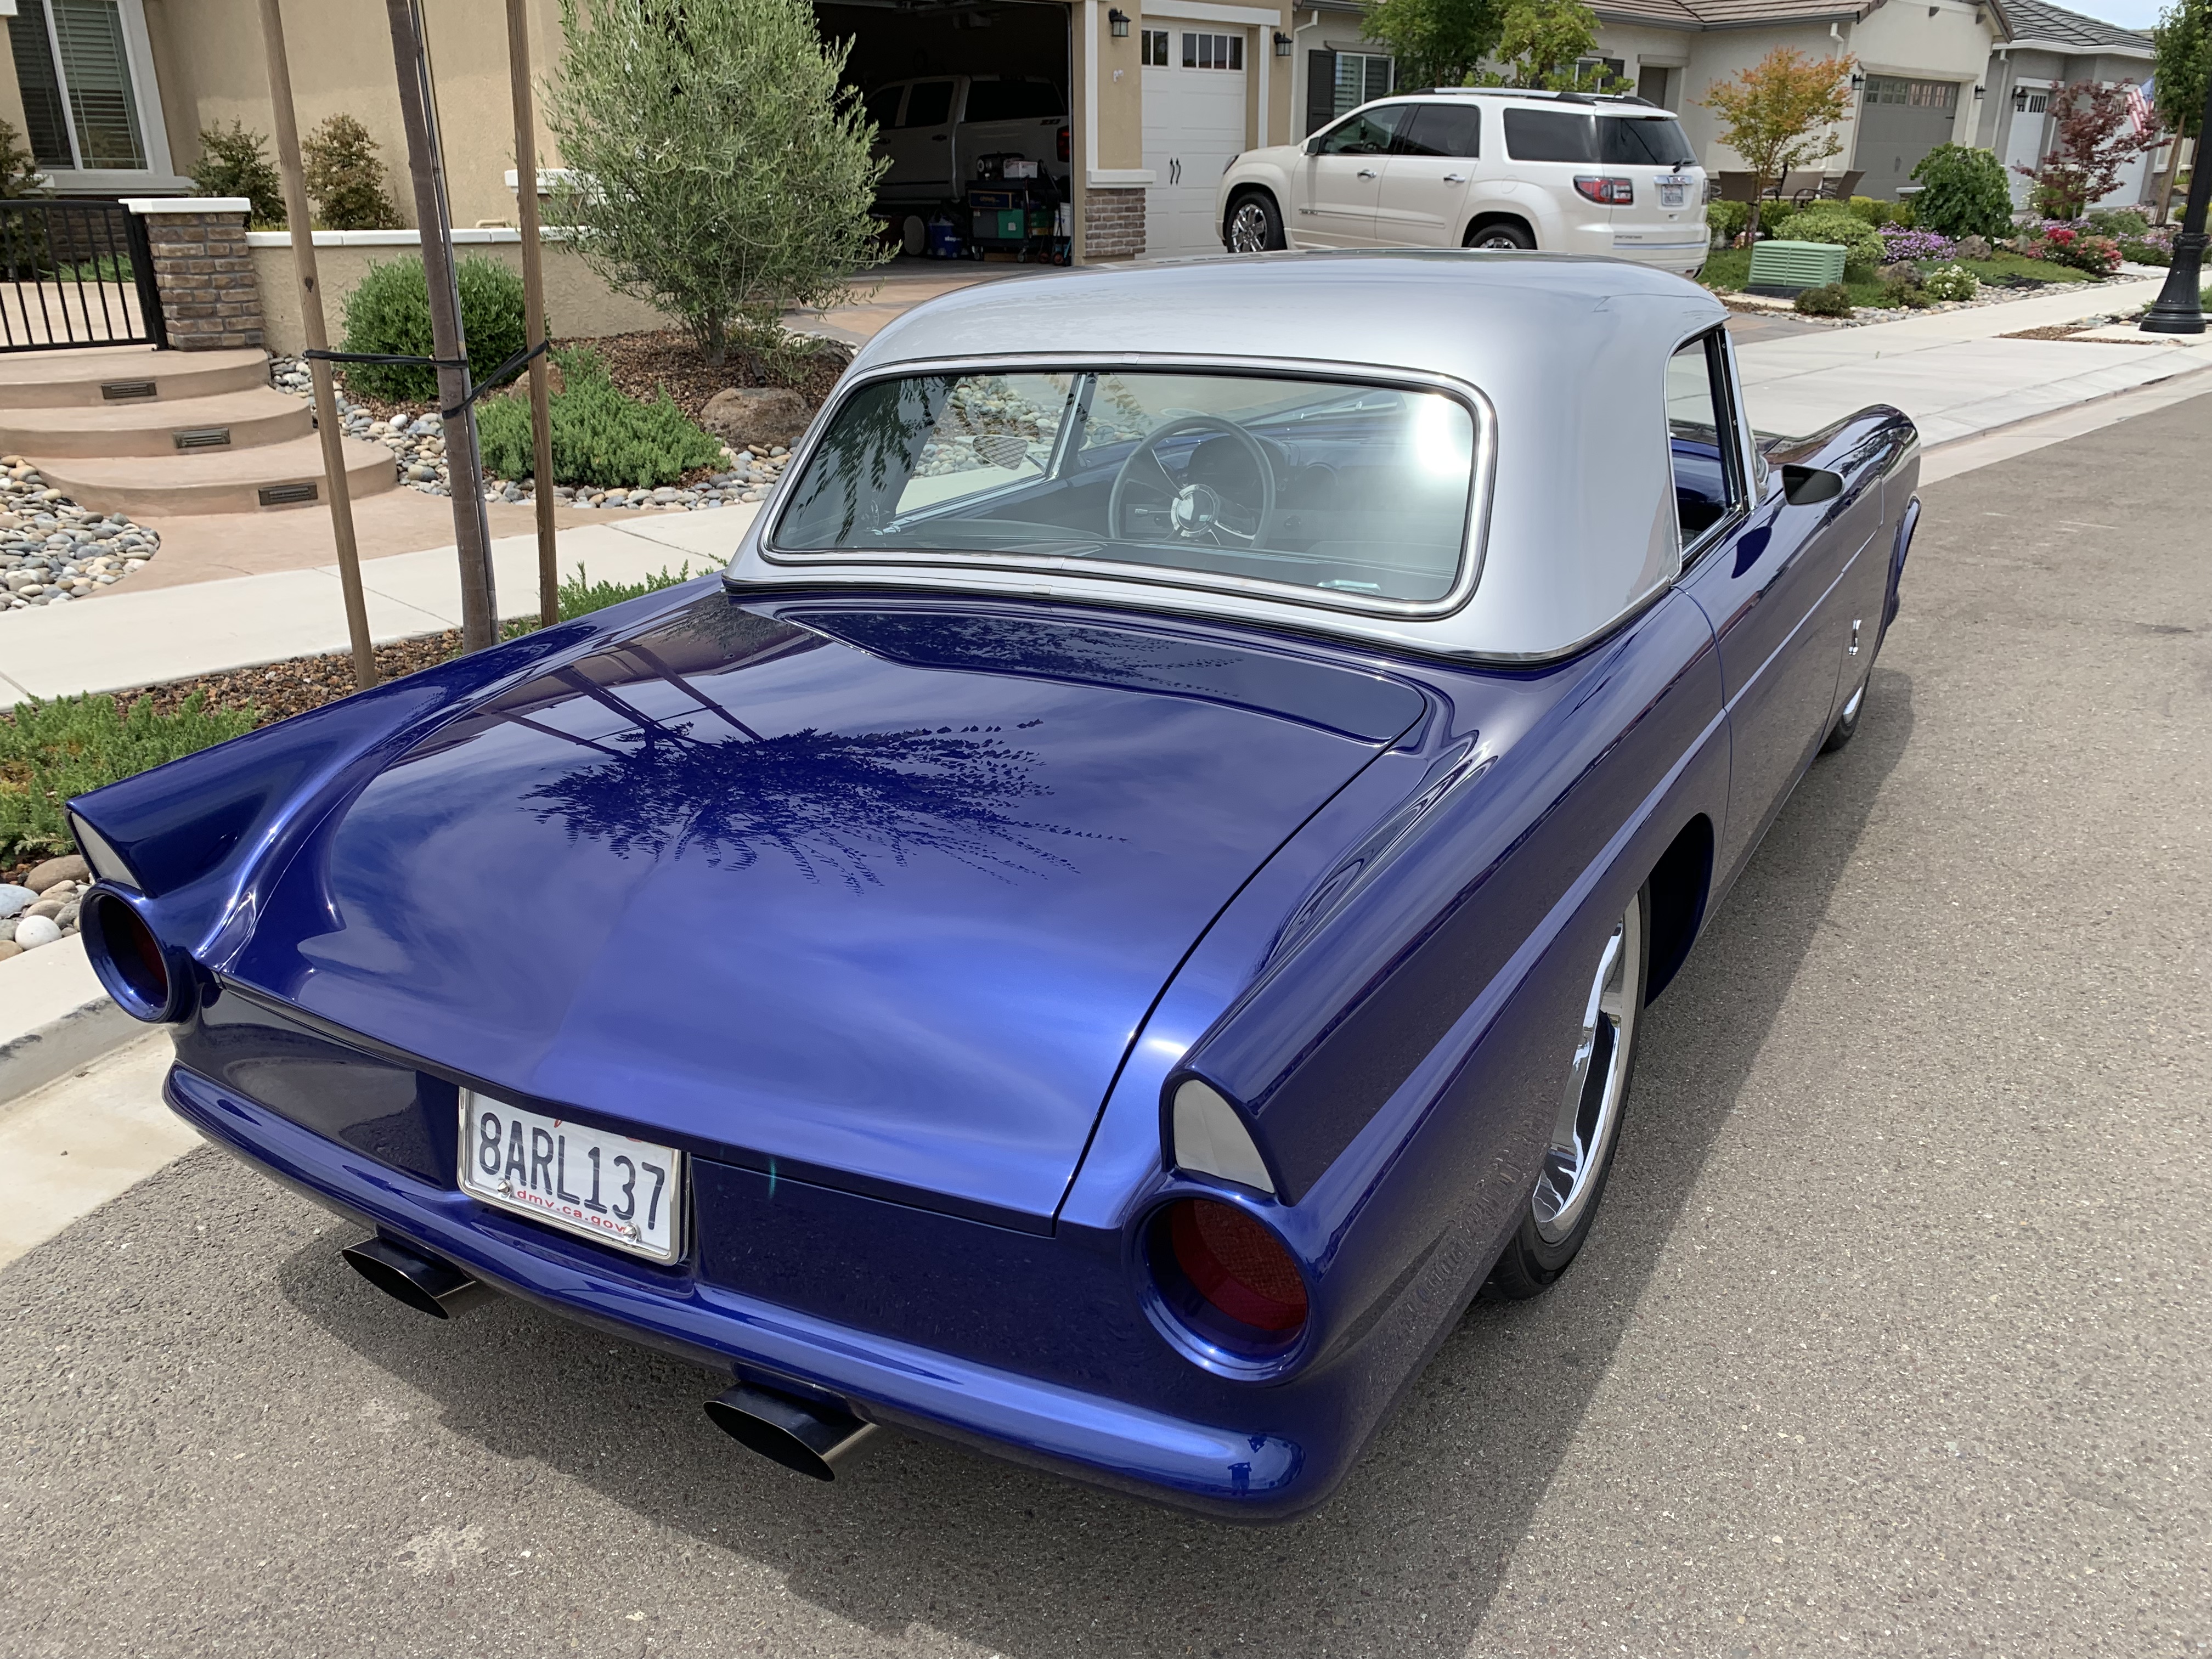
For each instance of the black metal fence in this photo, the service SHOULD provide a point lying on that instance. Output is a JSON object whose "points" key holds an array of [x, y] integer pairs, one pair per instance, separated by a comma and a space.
{"points": [[76, 273]]}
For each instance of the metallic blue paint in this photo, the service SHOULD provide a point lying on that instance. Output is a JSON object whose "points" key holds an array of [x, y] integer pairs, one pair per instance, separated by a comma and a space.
{"points": [[903, 914]]}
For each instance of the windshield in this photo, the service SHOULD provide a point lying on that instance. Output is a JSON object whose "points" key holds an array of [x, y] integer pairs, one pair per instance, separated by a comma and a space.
{"points": [[1544, 135], [1358, 490]]}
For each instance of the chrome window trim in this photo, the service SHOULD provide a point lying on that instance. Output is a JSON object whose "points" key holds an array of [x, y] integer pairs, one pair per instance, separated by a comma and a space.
{"points": [[1474, 534], [1728, 404]]}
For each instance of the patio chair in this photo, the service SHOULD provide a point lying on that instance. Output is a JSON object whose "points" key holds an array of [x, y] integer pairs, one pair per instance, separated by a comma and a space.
{"points": [[1801, 187], [1843, 187]]}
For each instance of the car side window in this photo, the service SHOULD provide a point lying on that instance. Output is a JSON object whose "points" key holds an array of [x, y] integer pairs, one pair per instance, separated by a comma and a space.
{"points": [[1368, 134], [1452, 129], [1701, 438], [928, 104], [882, 105]]}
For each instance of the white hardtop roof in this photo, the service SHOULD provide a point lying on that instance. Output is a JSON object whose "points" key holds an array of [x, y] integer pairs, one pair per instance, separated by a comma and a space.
{"points": [[1567, 356]]}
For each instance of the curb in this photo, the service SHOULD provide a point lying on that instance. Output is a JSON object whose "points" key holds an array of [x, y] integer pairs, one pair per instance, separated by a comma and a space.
{"points": [[54, 1016]]}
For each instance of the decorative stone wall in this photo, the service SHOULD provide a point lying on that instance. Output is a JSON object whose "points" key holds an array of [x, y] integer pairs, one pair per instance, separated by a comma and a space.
{"points": [[1112, 223], [211, 298]]}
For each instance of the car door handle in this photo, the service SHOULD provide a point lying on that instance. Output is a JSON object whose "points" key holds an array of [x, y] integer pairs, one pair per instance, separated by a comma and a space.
{"points": [[1367, 172], [1455, 177]]}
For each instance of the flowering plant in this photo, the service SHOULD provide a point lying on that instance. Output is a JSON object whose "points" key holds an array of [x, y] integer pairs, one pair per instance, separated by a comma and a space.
{"points": [[1952, 283], [1900, 243], [2065, 243]]}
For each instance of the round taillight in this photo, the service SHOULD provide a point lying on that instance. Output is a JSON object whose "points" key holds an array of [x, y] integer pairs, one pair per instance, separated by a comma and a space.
{"points": [[127, 956], [1226, 1277]]}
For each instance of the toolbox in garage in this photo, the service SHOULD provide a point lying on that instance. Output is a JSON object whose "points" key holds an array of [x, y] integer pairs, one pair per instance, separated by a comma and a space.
{"points": [[1013, 209]]}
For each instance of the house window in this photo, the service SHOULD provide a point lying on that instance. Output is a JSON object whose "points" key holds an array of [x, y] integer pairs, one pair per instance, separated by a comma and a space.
{"points": [[1216, 52], [1600, 72], [72, 67], [1913, 95], [1155, 48], [1361, 77]]}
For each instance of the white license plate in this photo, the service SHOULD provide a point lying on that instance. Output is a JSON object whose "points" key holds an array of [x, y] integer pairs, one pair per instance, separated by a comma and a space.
{"points": [[628, 1194], [1672, 193]]}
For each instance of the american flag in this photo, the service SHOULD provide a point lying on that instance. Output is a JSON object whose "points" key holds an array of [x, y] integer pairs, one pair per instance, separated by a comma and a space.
{"points": [[2139, 109]]}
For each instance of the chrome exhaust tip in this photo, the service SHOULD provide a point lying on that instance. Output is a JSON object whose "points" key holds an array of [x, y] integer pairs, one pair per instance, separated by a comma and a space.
{"points": [[811, 1439], [423, 1282]]}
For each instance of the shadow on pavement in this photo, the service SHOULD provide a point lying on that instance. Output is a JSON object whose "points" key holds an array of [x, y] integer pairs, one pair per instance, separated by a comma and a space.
{"points": [[1405, 1559]]}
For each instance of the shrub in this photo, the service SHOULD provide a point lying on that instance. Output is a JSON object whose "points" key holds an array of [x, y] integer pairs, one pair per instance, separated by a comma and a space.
{"points": [[721, 171], [232, 163], [1899, 243], [601, 435], [2146, 250], [1901, 286], [2117, 222], [1866, 208], [1833, 300], [345, 180], [1952, 283], [1837, 225], [18, 168], [1727, 221], [2068, 245], [50, 751], [1964, 193], [390, 312]]}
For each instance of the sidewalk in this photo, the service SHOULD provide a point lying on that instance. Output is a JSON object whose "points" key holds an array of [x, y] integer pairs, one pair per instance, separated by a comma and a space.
{"points": [[1952, 374], [141, 638]]}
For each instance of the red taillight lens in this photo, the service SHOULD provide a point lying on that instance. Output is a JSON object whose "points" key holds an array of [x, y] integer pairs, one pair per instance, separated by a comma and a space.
{"points": [[1236, 1266], [1613, 192], [127, 955], [1062, 143]]}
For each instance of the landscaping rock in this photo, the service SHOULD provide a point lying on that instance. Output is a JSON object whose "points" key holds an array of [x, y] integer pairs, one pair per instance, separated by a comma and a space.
{"points": [[33, 931], [50, 909], [743, 416], [9, 948], [54, 871], [1973, 247], [14, 900]]}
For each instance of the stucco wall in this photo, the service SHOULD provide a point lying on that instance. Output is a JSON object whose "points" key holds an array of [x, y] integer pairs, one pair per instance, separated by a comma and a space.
{"points": [[577, 302], [213, 69]]}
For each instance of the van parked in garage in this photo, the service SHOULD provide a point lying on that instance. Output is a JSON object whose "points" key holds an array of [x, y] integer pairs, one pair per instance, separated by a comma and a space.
{"points": [[1463, 167], [934, 129]]}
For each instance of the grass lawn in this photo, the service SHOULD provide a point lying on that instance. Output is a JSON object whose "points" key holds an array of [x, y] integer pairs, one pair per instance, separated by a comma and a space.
{"points": [[1729, 269]]}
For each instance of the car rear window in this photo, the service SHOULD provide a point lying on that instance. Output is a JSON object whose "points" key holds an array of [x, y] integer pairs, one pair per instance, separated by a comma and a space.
{"points": [[1013, 101], [1359, 490], [1545, 134]]}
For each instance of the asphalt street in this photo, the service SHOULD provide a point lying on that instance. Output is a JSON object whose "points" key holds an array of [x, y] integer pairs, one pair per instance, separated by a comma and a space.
{"points": [[1893, 1337]]}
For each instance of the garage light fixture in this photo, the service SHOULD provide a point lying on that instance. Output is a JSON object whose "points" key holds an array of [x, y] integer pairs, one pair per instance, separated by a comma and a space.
{"points": [[1282, 43], [1858, 83], [1118, 21]]}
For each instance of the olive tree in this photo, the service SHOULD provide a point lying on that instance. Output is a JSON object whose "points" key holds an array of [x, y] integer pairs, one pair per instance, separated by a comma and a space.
{"points": [[716, 168]]}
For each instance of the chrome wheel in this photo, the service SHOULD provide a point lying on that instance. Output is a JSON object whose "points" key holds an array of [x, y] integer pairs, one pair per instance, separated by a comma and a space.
{"points": [[1597, 1082], [1248, 227]]}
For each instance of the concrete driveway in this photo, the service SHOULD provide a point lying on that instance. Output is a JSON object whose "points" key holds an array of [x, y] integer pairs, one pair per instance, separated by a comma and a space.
{"points": [[1893, 1337]]}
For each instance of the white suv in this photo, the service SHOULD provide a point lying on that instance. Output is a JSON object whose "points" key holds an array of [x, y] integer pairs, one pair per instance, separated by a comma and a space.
{"points": [[1566, 173]]}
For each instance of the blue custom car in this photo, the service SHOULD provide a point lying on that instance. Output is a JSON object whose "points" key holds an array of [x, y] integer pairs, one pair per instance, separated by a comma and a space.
{"points": [[1127, 906]]}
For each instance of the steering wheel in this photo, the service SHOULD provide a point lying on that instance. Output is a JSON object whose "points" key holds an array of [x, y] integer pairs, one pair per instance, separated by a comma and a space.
{"points": [[1195, 511]]}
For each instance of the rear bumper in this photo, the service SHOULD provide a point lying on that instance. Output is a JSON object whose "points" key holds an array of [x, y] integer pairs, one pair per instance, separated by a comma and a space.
{"points": [[1234, 1474]]}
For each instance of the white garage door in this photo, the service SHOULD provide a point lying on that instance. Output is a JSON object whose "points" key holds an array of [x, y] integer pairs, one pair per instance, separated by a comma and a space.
{"points": [[1194, 125]]}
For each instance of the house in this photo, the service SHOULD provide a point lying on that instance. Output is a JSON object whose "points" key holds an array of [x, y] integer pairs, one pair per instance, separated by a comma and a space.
{"points": [[2050, 47], [1160, 97]]}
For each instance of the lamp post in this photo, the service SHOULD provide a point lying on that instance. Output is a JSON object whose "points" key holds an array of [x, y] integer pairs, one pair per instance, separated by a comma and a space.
{"points": [[2178, 308]]}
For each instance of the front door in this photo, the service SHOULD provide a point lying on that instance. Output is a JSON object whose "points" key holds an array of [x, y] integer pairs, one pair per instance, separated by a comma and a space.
{"points": [[1769, 576], [1422, 198], [1341, 180], [1193, 127]]}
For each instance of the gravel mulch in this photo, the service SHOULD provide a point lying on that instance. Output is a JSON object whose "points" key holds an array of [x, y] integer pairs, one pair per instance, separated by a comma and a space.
{"points": [[53, 551]]}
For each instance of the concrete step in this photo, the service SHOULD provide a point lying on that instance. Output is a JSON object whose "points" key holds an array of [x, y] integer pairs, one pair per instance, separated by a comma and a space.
{"points": [[109, 376], [216, 480], [229, 420]]}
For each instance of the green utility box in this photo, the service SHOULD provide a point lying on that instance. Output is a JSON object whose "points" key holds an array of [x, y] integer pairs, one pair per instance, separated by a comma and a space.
{"points": [[1785, 269]]}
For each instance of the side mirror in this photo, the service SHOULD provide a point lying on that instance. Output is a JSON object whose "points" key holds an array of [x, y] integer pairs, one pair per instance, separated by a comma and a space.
{"points": [[1808, 486]]}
